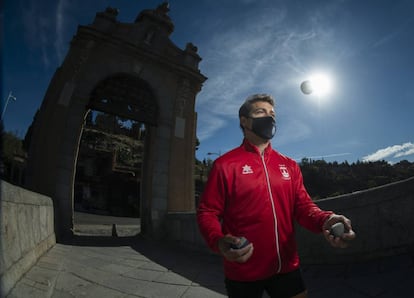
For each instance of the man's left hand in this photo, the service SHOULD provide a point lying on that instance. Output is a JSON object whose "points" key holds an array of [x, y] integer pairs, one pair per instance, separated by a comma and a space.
{"points": [[343, 241]]}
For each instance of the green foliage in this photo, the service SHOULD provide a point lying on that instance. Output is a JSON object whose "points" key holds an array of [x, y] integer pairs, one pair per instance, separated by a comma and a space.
{"points": [[113, 124], [197, 144], [12, 145], [324, 179]]}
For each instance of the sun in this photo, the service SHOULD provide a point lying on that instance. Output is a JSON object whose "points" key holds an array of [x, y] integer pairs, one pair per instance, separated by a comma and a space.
{"points": [[319, 84]]}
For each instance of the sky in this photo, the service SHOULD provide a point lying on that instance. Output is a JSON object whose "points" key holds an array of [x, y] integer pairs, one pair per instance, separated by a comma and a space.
{"points": [[365, 47]]}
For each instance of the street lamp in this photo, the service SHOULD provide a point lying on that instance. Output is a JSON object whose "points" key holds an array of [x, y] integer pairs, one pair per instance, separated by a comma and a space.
{"points": [[7, 102]]}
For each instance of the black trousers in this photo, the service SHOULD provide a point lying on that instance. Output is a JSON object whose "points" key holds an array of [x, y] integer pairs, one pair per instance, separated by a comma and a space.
{"points": [[278, 286]]}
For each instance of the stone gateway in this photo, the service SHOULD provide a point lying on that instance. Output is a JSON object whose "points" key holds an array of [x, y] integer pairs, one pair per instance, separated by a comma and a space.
{"points": [[132, 70]]}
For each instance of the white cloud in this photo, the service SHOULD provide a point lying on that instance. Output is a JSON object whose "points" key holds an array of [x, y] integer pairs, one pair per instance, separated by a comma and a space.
{"points": [[60, 22], [36, 30], [210, 124], [406, 153], [394, 151], [389, 37], [44, 33], [293, 130], [254, 57]]}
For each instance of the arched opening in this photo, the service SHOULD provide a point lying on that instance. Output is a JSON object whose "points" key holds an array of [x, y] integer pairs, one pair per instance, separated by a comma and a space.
{"points": [[110, 168]]}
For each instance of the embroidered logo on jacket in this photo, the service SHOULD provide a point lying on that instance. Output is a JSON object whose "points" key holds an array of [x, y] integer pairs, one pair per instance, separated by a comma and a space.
{"points": [[247, 170], [285, 173]]}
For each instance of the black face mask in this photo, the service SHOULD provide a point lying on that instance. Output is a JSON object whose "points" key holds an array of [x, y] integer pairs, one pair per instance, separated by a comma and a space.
{"points": [[264, 127]]}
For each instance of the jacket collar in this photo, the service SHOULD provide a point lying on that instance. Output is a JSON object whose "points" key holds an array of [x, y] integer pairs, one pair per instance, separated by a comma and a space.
{"points": [[248, 146]]}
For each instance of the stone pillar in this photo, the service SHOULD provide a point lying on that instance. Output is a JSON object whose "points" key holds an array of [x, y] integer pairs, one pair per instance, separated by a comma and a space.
{"points": [[181, 169]]}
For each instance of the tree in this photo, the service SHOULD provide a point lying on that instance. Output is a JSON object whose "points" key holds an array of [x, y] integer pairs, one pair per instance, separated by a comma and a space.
{"points": [[106, 122], [324, 179], [12, 145], [197, 144]]}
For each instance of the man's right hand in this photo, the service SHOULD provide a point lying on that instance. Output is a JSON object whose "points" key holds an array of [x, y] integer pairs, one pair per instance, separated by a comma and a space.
{"points": [[234, 255]]}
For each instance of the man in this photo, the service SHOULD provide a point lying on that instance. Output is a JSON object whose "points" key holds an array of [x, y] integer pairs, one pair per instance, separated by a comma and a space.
{"points": [[257, 193]]}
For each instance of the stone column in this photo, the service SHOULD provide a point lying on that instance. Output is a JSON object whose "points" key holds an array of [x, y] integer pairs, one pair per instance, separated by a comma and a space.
{"points": [[181, 170]]}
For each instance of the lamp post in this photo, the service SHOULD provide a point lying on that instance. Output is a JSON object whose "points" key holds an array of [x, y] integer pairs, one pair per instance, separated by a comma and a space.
{"points": [[7, 102], [214, 153], [209, 162]]}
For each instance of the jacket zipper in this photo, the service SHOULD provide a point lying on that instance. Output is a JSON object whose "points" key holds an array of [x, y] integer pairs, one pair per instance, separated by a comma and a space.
{"points": [[274, 213]]}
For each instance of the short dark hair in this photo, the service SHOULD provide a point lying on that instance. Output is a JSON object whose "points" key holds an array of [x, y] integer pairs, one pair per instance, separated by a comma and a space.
{"points": [[246, 107]]}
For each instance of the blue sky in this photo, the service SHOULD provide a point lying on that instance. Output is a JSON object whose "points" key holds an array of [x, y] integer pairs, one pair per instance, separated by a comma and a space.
{"points": [[253, 46]]}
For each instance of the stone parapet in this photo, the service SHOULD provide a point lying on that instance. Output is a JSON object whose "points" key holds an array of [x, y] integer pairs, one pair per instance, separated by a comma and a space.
{"points": [[381, 218], [27, 232]]}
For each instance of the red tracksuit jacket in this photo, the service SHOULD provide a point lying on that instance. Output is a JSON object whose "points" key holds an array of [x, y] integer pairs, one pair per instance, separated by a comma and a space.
{"points": [[259, 197]]}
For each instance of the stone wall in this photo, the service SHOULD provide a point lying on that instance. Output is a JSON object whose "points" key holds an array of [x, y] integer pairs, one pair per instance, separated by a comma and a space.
{"points": [[381, 217], [27, 232], [182, 229]]}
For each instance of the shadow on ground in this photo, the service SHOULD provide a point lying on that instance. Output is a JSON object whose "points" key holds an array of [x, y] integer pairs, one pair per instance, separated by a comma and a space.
{"points": [[199, 268]]}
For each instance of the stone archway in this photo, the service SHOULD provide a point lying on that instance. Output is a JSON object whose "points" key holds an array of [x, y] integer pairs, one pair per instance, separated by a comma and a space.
{"points": [[127, 96], [134, 69], [109, 176]]}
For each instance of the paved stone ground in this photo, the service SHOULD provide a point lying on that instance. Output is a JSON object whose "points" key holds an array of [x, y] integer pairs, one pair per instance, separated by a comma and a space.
{"points": [[124, 267], [87, 224], [134, 267], [106, 267], [389, 277]]}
